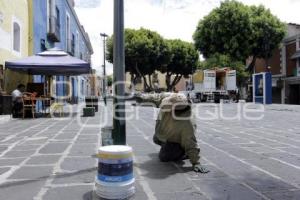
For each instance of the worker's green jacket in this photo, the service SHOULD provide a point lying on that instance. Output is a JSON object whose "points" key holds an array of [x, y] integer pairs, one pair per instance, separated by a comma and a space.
{"points": [[180, 131]]}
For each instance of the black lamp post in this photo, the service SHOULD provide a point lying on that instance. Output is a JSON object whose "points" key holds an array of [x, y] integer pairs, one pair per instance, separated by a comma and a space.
{"points": [[119, 122], [104, 67]]}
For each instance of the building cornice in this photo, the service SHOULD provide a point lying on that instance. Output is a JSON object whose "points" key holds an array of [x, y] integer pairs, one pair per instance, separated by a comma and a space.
{"points": [[291, 39]]}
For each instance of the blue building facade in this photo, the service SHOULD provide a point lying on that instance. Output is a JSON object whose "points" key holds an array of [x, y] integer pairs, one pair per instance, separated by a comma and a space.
{"points": [[55, 24]]}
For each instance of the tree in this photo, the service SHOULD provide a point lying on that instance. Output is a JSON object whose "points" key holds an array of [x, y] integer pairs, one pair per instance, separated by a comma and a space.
{"points": [[267, 33], [239, 31], [226, 30], [109, 80], [145, 52], [222, 61], [184, 59]]}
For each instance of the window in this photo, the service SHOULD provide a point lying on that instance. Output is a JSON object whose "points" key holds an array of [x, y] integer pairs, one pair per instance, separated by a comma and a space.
{"points": [[48, 16], [68, 33], [77, 43], [57, 17], [43, 45], [73, 45], [53, 22], [82, 88], [17, 37]]}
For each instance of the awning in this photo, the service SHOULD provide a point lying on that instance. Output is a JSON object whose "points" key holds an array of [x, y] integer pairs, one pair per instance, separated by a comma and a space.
{"points": [[51, 62], [296, 55]]}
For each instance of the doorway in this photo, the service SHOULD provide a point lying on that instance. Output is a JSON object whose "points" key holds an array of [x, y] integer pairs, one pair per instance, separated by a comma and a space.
{"points": [[295, 94]]}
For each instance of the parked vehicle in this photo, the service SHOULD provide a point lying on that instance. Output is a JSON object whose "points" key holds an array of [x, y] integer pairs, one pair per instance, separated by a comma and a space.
{"points": [[213, 85]]}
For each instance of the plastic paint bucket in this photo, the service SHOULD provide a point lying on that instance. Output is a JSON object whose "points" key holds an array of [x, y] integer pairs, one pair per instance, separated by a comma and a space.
{"points": [[115, 178]]}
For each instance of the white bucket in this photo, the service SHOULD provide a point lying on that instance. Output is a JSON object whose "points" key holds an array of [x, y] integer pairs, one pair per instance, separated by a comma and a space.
{"points": [[115, 178], [121, 190]]}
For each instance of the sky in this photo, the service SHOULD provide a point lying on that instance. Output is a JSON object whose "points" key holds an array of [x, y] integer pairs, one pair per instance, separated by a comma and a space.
{"points": [[171, 18]]}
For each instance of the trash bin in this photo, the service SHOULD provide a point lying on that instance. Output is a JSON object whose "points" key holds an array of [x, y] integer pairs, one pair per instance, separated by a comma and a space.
{"points": [[5, 104], [92, 101], [89, 112]]}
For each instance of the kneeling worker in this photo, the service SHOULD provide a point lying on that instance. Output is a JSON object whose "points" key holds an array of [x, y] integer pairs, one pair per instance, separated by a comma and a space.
{"points": [[175, 132]]}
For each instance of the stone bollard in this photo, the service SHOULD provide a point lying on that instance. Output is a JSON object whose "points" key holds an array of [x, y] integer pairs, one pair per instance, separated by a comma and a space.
{"points": [[106, 135]]}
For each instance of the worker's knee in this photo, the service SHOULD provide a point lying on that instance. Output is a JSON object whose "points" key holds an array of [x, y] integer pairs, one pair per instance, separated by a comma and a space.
{"points": [[171, 152]]}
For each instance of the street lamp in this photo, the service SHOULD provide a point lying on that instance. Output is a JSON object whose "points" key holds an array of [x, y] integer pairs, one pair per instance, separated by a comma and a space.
{"points": [[104, 68], [119, 122]]}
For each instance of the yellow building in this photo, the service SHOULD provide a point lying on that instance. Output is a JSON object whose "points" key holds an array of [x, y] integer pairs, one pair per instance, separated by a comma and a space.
{"points": [[158, 80], [14, 37]]}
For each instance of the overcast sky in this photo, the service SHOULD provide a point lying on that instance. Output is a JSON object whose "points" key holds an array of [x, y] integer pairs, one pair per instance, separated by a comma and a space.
{"points": [[171, 18]]}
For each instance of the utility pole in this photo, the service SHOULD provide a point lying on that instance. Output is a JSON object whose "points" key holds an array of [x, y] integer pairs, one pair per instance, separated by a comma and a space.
{"points": [[119, 123], [104, 67]]}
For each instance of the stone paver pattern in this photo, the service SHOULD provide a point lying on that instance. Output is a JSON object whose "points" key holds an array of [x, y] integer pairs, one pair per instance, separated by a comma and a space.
{"points": [[54, 158]]}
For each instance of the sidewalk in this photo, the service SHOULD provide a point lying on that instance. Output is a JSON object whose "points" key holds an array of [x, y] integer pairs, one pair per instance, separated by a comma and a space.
{"points": [[54, 159], [4, 118]]}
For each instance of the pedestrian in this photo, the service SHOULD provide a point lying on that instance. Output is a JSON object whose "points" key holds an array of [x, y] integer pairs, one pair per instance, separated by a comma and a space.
{"points": [[17, 100], [175, 132]]}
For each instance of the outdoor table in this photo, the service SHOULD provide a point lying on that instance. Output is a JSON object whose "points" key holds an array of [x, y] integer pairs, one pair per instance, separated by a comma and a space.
{"points": [[44, 101]]}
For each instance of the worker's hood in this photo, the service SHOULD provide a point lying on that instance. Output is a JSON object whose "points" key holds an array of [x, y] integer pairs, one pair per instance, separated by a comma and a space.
{"points": [[175, 101]]}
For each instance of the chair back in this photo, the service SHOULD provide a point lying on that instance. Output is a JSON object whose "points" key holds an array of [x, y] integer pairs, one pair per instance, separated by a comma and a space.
{"points": [[28, 99]]}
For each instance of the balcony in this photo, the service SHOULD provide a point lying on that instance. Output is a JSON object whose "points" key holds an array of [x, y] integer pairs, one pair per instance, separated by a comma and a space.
{"points": [[54, 29]]}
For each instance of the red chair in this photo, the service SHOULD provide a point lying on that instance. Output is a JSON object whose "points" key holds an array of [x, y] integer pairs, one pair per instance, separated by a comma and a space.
{"points": [[28, 100]]}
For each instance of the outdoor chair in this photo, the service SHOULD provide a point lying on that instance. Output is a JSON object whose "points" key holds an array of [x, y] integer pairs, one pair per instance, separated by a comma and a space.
{"points": [[57, 107], [28, 103]]}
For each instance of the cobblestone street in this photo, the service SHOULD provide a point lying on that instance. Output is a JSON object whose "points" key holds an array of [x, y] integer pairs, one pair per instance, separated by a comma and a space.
{"points": [[54, 158]]}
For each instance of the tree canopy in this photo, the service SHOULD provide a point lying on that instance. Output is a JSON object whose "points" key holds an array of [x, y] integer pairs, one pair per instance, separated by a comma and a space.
{"points": [[267, 33], [109, 80], [145, 52], [239, 31], [184, 59], [225, 30]]}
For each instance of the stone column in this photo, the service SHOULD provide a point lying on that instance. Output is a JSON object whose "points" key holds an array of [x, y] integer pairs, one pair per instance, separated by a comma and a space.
{"points": [[283, 72], [298, 60]]}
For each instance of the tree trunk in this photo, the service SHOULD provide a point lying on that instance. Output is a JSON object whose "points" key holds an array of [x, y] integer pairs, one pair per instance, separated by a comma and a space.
{"points": [[137, 70], [132, 82], [150, 82], [168, 81], [175, 81], [146, 86], [251, 66]]}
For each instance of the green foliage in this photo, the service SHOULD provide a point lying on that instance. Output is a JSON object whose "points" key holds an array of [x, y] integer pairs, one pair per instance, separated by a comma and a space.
{"points": [[145, 52], [226, 31], [267, 31], [109, 80], [185, 58], [239, 31]]}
